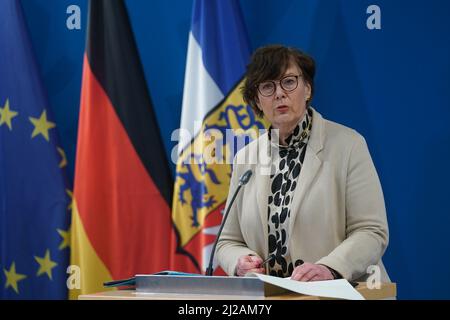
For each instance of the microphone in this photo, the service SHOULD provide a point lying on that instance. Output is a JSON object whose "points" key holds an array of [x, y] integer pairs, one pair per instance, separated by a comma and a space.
{"points": [[245, 177], [242, 181]]}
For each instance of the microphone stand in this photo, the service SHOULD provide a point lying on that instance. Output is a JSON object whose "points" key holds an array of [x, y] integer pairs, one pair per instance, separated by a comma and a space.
{"points": [[242, 181]]}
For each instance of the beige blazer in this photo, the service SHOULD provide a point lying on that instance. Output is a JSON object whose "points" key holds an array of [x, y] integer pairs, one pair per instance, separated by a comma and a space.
{"points": [[338, 216]]}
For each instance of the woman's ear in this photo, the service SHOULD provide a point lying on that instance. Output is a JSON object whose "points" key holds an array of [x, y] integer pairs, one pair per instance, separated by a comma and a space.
{"points": [[258, 104], [308, 92]]}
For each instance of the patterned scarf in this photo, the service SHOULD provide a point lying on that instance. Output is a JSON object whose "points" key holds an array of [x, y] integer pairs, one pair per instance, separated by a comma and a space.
{"points": [[283, 182]]}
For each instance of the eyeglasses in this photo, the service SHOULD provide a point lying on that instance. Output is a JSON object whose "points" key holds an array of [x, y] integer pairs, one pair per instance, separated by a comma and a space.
{"points": [[288, 84]]}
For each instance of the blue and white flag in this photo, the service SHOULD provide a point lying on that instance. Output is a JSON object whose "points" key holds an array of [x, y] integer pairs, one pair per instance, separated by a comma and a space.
{"points": [[218, 53]]}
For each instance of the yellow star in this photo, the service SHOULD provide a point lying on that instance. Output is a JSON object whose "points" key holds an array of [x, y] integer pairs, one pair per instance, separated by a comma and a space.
{"points": [[45, 265], [41, 125], [63, 162], [66, 238], [70, 194], [6, 115], [12, 277]]}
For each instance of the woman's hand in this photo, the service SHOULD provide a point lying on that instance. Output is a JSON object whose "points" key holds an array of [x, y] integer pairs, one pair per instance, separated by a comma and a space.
{"points": [[311, 272], [248, 264]]}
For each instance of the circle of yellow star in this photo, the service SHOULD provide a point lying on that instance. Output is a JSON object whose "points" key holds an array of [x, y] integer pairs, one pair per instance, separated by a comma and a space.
{"points": [[63, 162], [45, 265], [12, 277], [70, 194], [41, 125], [6, 114], [65, 235]]}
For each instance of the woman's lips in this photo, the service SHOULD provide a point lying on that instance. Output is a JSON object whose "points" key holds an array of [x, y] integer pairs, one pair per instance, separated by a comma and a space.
{"points": [[282, 108]]}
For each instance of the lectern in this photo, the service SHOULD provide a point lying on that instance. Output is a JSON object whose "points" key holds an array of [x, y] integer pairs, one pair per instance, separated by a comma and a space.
{"points": [[155, 287]]}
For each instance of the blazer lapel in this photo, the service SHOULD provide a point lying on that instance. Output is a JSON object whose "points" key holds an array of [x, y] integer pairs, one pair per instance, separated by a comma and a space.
{"points": [[310, 168]]}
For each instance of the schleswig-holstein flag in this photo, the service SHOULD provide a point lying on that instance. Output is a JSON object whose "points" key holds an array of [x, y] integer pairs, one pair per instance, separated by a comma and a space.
{"points": [[218, 52]]}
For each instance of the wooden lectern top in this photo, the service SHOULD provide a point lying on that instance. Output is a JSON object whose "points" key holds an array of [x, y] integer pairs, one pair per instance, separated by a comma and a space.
{"points": [[386, 291]]}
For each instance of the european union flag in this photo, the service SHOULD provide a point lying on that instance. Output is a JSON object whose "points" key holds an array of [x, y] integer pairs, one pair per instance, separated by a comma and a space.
{"points": [[34, 198]]}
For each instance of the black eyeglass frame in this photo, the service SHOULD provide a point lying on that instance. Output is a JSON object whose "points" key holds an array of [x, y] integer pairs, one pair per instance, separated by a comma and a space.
{"points": [[274, 82]]}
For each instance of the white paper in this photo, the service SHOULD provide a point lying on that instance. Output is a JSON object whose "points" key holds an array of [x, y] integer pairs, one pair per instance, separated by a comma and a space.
{"points": [[340, 289]]}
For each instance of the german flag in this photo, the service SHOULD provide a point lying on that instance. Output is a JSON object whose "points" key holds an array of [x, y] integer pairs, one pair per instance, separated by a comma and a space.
{"points": [[121, 220]]}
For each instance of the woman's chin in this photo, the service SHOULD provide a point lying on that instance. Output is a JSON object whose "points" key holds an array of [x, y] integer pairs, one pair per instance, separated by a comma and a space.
{"points": [[283, 119]]}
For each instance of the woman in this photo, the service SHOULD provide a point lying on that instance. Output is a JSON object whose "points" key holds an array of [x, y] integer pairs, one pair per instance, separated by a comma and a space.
{"points": [[320, 213]]}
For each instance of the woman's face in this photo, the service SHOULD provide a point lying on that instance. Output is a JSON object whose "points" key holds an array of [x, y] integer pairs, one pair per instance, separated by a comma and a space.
{"points": [[285, 109]]}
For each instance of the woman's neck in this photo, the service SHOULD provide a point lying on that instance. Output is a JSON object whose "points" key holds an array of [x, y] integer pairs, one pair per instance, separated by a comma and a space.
{"points": [[286, 129], [285, 132]]}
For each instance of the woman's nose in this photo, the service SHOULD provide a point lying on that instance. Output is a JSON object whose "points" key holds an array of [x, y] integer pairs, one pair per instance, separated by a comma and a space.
{"points": [[279, 91]]}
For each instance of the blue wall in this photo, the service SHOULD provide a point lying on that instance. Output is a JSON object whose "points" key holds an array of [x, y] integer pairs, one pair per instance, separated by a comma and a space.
{"points": [[392, 85]]}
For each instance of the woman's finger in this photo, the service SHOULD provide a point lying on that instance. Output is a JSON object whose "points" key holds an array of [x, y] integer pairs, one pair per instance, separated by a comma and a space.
{"points": [[308, 275], [300, 271], [317, 278]]}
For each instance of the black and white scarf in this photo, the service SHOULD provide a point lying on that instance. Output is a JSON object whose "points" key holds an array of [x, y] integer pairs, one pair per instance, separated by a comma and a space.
{"points": [[283, 181]]}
